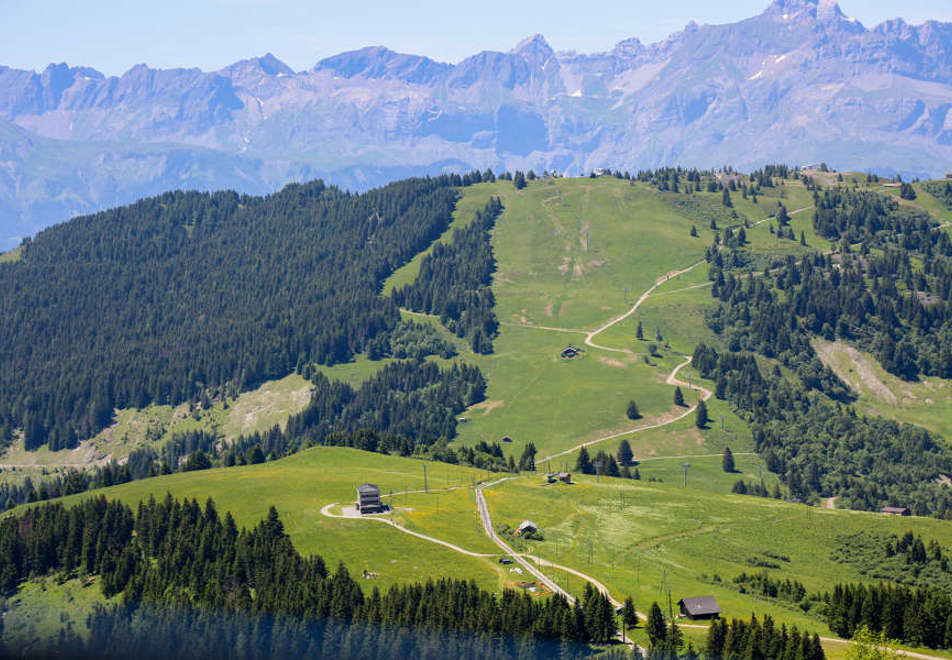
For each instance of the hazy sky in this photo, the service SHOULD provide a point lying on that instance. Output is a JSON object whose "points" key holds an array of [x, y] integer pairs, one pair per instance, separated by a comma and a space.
{"points": [[113, 35]]}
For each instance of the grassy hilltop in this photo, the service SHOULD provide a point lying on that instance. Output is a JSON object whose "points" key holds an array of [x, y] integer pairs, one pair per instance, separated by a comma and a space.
{"points": [[572, 255]]}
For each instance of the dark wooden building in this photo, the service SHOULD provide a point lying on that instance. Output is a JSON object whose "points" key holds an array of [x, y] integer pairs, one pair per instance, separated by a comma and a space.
{"points": [[700, 607], [569, 353], [368, 499]]}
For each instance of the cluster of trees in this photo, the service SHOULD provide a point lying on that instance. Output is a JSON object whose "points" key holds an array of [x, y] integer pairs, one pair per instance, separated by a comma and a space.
{"points": [[410, 340], [171, 554], [903, 560], [761, 584], [606, 465], [821, 448], [919, 617], [188, 294], [454, 282], [761, 639]]}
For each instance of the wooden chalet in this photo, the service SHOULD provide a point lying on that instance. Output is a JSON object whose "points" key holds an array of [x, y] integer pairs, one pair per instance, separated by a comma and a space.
{"points": [[368, 499], [700, 607]]}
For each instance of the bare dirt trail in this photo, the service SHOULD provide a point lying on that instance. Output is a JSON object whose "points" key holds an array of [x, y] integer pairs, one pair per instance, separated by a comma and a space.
{"points": [[644, 296]]}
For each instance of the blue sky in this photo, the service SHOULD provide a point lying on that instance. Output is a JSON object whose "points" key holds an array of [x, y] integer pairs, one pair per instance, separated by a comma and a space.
{"points": [[113, 35]]}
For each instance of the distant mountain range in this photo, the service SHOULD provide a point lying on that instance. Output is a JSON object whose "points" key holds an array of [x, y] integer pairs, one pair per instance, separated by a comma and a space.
{"points": [[801, 82]]}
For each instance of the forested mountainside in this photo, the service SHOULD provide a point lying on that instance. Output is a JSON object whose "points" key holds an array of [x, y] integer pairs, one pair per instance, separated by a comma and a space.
{"points": [[187, 295], [800, 82], [887, 288]]}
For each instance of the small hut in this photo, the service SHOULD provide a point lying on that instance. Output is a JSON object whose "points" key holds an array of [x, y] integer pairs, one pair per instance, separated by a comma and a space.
{"points": [[527, 527], [569, 353], [700, 607]]}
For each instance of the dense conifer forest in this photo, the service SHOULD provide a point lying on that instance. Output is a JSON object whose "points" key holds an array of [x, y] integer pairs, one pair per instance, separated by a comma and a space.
{"points": [[194, 585], [454, 280], [189, 294]]}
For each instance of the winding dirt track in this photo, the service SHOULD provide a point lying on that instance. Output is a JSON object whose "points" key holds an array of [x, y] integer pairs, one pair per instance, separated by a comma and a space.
{"points": [[523, 560]]}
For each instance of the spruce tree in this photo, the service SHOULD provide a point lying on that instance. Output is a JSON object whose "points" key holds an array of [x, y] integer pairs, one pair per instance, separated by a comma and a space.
{"points": [[629, 616], [519, 180], [726, 198], [728, 461], [700, 418], [625, 454], [632, 411], [657, 629], [693, 231], [584, 463], [639, 331], [678, 397]]}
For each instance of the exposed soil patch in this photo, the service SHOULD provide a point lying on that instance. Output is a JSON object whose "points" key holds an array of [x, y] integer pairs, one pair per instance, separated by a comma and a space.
{"points": [[860, 372]]}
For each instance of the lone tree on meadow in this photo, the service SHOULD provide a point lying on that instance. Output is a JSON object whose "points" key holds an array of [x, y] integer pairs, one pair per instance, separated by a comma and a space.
{"points": [[728, 462], [519, 180], [678, 397], [701, 417], [640, 331], [625, 454], [633, 410]]}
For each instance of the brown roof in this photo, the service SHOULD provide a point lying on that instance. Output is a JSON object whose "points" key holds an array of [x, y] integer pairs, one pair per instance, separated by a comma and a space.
{"points": [[700, 605]]}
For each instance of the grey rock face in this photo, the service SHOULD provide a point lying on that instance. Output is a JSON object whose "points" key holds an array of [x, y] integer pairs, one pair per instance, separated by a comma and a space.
{"points": [[800, 82]]}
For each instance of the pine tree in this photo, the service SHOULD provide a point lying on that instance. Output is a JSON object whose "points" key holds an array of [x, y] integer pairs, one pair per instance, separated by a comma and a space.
{"points": [[639, 331], [657, 629], [629, 616], [726, 198], [584, 463], [693, 231], [728, 461], [519, 180], [625, 455], [678, 397], [632, 411], [700, 418]]}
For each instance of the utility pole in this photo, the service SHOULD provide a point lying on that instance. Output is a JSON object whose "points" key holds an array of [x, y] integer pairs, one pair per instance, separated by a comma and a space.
{"points": [[425, 489], [685, 466], [722, 423]]}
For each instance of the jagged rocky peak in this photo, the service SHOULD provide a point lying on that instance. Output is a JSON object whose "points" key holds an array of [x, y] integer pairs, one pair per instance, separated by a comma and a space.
{"points": [[267, 65], [821, 11], [535, 50], [381, 62]]}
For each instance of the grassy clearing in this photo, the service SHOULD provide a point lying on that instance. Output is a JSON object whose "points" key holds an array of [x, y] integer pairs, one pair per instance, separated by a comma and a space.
{"points": [[926, 403], [257, 410], [464, 214], [635, 536], [300, 485], [40, 608]]}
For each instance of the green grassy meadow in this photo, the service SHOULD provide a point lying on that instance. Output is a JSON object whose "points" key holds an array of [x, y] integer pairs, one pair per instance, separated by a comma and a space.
{"points": [[636, 537], [301, 484]]}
